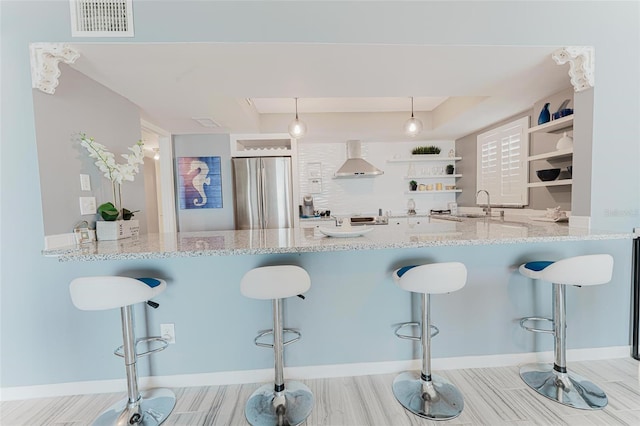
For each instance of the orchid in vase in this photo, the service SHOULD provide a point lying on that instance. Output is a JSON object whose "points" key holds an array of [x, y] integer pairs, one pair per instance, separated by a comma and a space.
{"points": [[116, 173]]}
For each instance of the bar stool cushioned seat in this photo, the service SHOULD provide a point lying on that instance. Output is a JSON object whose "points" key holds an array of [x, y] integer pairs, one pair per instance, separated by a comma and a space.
{"points": [[109, 292], [277, 404], [425, 394], [554, 381]]}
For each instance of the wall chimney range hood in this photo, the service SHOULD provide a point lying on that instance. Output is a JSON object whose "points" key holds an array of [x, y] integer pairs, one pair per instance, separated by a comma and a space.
{"points": [[356, 166]]}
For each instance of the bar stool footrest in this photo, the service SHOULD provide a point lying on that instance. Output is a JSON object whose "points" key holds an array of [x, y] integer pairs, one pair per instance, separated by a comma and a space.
{"points": [[285, 343], [435, 330], [524, 320], [163, 345]]}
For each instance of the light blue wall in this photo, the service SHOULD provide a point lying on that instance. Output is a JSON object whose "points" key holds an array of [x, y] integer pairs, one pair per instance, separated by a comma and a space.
{"points": [[45, 340]]}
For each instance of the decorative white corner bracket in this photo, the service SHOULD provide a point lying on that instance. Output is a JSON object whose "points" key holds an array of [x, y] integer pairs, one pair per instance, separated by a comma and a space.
{"points": [[45, 58], [580, 60]]}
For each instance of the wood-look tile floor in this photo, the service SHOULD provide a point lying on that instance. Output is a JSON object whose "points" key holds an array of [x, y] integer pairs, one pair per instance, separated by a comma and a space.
{"points": [[493, 396]]}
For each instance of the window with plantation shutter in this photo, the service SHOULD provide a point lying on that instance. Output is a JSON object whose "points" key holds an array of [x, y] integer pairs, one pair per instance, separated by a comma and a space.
{"points": [[502, 163]]}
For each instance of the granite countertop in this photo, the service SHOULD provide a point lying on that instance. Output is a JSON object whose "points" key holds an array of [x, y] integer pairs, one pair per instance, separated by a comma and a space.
{"points": [[400, 233]]}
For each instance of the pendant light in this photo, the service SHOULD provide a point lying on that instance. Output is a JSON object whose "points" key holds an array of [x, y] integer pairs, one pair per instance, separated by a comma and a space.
{"points": [[412, 126], [156, 154], [297, 128]]}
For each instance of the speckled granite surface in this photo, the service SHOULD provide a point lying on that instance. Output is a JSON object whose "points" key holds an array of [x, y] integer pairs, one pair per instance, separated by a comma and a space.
{"points": [[400, 233]]}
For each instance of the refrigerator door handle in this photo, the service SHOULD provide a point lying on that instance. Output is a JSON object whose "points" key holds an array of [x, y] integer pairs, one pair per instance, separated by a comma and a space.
{"points": [[264, 217], [261, 197]]}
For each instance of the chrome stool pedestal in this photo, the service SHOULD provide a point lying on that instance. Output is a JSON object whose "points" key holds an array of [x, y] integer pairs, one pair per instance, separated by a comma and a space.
{"points": [[152, 408], [149, 408], [278, 403], [423, 393], [566, 388], [555, 381]]}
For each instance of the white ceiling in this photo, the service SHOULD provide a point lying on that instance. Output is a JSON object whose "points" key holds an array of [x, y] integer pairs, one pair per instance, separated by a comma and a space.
{"points": [[345, 104], [460, 89]]}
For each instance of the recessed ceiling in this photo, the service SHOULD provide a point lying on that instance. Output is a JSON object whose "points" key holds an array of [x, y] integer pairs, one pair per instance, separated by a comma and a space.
{"points": [[174, 82], [340, 104]]}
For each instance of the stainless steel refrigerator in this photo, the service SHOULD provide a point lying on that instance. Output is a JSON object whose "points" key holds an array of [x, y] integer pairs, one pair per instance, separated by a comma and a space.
{"points": [[263, 192]]}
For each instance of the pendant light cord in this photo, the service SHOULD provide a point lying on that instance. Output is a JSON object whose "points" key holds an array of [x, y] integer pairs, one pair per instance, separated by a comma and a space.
{"points": [[412, 107], [297, 108]]}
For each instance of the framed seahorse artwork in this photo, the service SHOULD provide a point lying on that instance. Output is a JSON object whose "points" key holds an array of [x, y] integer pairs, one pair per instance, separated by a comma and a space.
{"points": [[200, 183]]}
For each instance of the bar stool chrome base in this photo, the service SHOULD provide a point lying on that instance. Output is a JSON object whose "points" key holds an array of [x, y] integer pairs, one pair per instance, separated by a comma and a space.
{"points": [[438, 399], [568, 388], [153, 407], [289, 407]]}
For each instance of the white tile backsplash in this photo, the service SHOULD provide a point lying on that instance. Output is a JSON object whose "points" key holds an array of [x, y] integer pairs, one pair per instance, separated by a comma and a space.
{"points": [[367, 195]]}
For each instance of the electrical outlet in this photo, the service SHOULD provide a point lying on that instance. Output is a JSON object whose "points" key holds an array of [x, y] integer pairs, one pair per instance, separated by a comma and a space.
{"points": [[168, 332]]}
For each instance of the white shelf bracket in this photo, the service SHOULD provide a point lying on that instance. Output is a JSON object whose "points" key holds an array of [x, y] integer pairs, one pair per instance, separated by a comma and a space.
{"points": [[45, 58], [581, 65]]}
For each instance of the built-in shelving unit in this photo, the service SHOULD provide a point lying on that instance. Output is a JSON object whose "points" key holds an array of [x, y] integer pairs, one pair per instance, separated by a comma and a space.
{"points": [[559, 154], [554, 126], [431, 176], [421, 158], [437, 174], [433, 191], [550, 183]]}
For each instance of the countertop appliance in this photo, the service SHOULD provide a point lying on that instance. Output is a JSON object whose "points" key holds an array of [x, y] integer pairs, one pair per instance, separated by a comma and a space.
{"points": [[263, 192], [307, 206], [363, 220]]}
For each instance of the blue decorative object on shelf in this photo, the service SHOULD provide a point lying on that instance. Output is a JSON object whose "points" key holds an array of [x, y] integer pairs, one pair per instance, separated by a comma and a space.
{"points": [[544, 116]]}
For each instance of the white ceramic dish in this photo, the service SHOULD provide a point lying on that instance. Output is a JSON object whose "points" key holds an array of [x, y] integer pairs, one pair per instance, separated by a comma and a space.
{"points": [[355, 231], [550, 219]]}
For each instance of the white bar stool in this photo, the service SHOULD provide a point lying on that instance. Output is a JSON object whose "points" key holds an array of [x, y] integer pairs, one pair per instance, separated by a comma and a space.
{"points": [[554, 381], [109, 292], [275, 404], [428, 395]]}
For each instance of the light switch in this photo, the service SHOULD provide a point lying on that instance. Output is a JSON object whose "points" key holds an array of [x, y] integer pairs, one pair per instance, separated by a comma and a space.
{"points": [[85, 182], [87, 205]]}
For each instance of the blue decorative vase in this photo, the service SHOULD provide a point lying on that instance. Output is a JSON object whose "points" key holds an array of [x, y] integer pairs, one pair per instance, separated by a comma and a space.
{"points": [[544, 116]]}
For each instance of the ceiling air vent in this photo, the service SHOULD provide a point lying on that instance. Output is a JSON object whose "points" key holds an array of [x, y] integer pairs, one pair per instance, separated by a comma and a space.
{"points": [[101, 18]]}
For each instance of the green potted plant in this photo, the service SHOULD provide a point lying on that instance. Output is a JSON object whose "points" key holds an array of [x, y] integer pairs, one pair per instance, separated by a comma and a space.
{"points": [[413, 185], [450, 169], [426, 150], [112, 227]]}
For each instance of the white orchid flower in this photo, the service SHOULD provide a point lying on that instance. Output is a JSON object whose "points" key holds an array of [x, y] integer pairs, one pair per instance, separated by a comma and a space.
{"points": [[106, 161]]}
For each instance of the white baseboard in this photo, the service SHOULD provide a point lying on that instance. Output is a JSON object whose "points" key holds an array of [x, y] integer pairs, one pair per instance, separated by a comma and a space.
{"points": [[304, 373]]}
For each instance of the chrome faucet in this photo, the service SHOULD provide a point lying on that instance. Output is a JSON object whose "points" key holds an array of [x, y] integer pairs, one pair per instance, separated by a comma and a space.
{"points": [[487, 209]]}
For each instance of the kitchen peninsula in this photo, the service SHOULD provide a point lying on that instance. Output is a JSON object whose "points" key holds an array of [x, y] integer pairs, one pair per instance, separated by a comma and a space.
{"points": [[348, 316], [404, 232]]}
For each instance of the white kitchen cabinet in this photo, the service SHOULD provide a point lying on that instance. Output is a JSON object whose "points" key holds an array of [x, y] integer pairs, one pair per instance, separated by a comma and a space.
{"points": [[262, 145]]}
